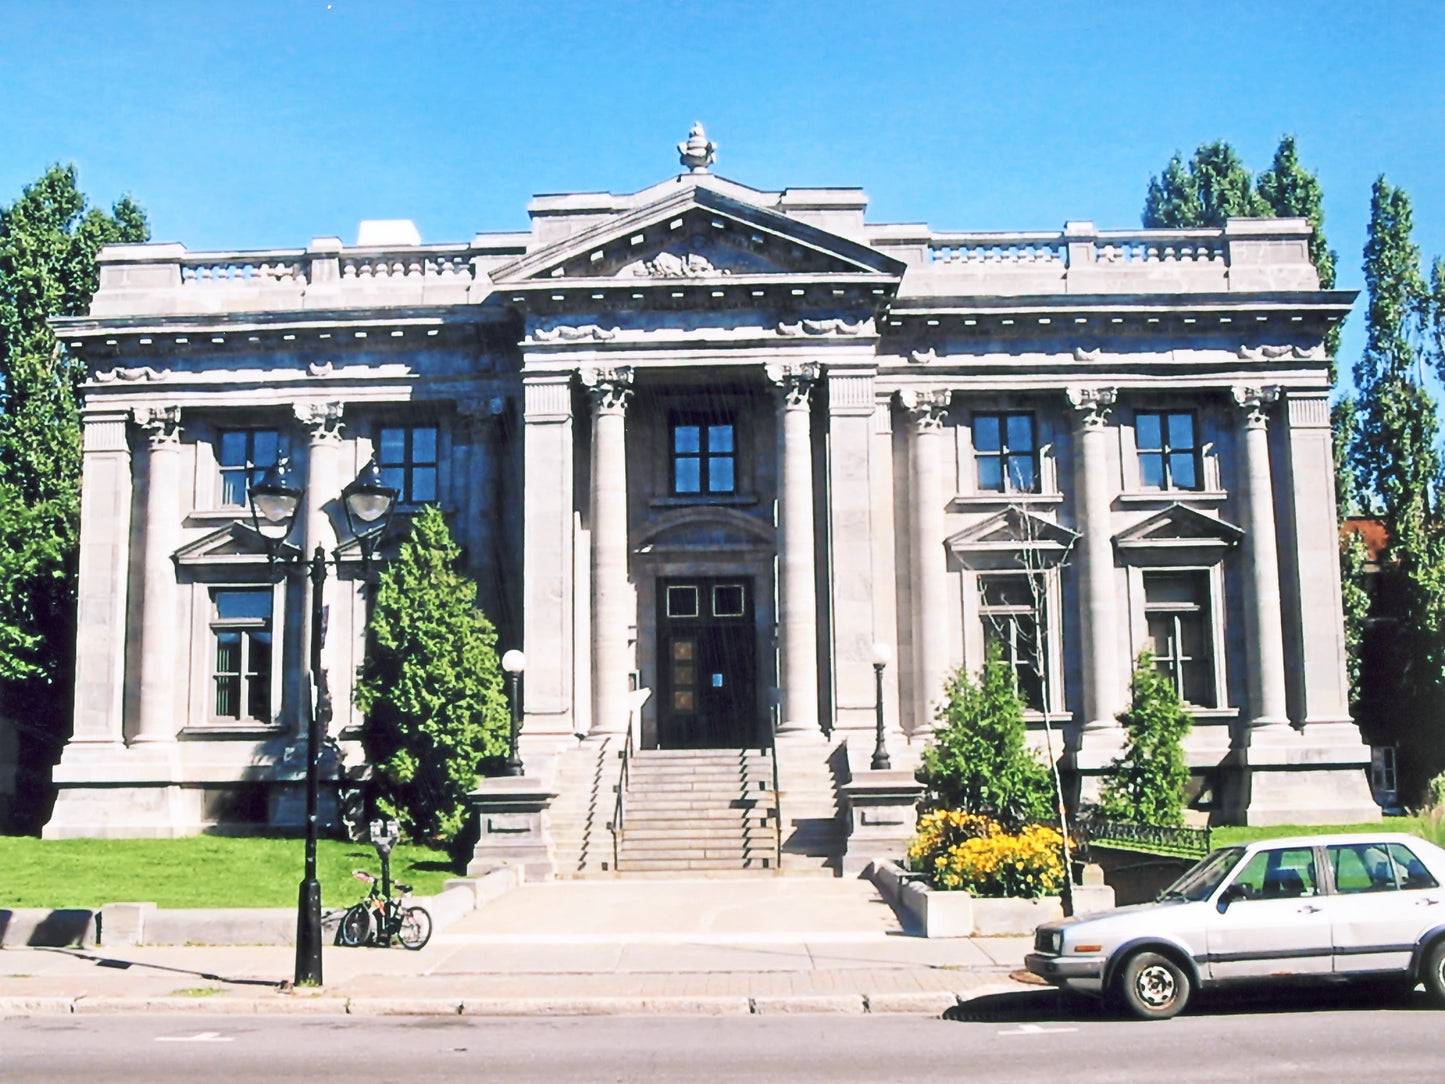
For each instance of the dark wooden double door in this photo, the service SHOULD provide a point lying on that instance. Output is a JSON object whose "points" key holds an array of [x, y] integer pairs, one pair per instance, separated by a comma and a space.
{"points": [[707, 663]]}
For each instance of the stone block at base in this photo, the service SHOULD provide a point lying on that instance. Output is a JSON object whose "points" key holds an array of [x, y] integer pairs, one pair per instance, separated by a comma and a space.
{"points": [[512, 827]]}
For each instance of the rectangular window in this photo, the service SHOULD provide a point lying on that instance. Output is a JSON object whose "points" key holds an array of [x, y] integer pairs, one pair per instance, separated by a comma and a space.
{"points": [[408, 461], [1176, 611], [1168, 446], [241, 629], [704, 457], [1006, 453], [244, 455], [1008, 605]]}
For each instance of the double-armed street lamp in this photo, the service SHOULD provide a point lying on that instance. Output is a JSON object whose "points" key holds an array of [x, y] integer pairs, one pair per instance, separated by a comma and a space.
{"points": [[514, 662], [275, 500], [882, 656]]}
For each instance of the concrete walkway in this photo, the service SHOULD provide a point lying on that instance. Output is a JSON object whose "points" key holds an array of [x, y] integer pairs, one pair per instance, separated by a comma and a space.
{"points": [[721, 946]]}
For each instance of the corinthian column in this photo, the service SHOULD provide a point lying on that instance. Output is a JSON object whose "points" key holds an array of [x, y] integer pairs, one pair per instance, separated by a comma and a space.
{"points": [[156, 720], [798, 603], [1102, 685], [611, 616], [926, 412], [1264, 625]]}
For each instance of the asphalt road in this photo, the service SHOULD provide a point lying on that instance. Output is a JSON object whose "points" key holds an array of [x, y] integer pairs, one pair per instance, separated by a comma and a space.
{"points": [[1020, 1037]]}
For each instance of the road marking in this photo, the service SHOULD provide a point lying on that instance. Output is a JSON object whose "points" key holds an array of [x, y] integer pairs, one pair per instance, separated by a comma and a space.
{"points": [[1035, 1029], [199, 1037]]}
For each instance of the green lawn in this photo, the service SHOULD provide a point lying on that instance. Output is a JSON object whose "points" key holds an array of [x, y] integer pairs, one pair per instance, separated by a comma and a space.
{"points": [[1425, 827], [198, 871]]}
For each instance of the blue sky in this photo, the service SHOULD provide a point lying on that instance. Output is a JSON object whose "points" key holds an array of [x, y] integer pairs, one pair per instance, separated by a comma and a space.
{"points": [[268, 123]]}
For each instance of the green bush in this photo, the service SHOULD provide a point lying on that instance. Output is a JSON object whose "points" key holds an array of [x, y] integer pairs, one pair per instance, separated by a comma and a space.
{"points": [[979, 762], [431, 686], [1148, 779]]}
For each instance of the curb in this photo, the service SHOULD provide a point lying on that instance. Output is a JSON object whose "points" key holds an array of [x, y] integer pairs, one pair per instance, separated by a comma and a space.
{"points": [[929, 1004]]}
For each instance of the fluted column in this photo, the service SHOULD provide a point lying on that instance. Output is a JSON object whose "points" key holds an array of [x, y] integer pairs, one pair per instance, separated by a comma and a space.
{"points": [[926, 413], [1102, 676], [1265, 625], [612, 614], [798, 603], [156, 720]]}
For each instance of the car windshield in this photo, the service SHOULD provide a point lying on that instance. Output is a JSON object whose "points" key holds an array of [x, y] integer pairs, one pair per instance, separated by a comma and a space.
{"points": [[1204, 876]]}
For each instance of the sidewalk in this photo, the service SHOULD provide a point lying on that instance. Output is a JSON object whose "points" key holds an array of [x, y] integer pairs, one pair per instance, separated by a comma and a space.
{"points": [[716, 946]]}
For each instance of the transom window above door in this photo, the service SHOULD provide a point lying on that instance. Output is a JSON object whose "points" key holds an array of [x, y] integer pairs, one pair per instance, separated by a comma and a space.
{"points": [[704, 457], [408, 461], [1006, 452]]}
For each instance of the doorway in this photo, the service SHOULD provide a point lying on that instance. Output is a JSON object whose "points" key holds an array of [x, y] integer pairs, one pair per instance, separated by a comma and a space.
{"points": [[708, 663]]}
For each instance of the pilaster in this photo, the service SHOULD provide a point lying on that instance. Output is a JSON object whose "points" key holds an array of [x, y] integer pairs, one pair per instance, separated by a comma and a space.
{"points": [[850, 544], [1103, 687]]}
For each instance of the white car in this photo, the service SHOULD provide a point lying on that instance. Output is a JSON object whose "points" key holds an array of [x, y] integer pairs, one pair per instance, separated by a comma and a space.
{"points": [[1335, 906]]}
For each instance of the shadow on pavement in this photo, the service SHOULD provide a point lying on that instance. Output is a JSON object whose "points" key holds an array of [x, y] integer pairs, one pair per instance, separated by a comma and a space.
{"points": [[1050, 1006], [122, 965]]}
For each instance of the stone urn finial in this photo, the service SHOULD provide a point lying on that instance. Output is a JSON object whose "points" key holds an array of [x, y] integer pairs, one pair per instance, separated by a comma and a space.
{"points": [[698, 152]]}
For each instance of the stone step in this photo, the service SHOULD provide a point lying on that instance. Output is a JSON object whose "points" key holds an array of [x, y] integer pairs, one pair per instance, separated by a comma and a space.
{"points": [[675, 865]]}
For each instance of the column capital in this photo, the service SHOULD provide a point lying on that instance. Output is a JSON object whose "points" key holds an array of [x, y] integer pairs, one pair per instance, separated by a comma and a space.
{"points": [[793, 381], [1091, 405], [926, 407], [609, 389], [322, 421], [1256, 403], [162, 424]]}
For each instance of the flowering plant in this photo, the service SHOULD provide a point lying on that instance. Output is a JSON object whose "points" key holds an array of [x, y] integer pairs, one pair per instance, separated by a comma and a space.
{"points": [[972, 853]]}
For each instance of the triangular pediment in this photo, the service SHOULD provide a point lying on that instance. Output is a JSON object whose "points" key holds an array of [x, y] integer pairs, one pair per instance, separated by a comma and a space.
{"points": [[235, 543], [700, 234], [705, 528], [1014, 538], [1178, 535]]}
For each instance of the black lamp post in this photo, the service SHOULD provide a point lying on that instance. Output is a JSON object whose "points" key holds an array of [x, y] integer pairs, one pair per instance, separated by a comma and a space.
{"points": [[882, 656], [514, 662], [275, 500]]}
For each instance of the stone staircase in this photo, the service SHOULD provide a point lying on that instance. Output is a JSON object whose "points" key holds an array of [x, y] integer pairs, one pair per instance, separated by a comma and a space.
{"points": [[586, 775], [697, 810]]}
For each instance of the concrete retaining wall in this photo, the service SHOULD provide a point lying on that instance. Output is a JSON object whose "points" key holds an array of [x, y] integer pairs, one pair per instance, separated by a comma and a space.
{"points": [[146, 924], [930, 913]]}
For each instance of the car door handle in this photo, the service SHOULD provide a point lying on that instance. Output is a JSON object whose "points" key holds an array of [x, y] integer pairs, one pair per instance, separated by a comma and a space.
{"points": [[1426, 902], [1308, 909]]}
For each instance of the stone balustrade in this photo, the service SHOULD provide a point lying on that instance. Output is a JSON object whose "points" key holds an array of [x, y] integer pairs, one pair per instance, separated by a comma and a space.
{"points": [[997, 248], [207, 268]]}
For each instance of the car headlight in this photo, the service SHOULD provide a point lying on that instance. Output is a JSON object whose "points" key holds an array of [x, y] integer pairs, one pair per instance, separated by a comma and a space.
{"points": [[1056, 942]]}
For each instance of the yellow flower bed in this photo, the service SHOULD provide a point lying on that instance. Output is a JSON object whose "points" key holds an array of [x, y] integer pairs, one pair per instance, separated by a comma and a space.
{"points": [[971, 853]]}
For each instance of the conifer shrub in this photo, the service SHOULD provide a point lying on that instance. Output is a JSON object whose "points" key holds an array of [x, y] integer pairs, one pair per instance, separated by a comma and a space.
{"points": [[431, 686], [1147, 780], [980, 762]]}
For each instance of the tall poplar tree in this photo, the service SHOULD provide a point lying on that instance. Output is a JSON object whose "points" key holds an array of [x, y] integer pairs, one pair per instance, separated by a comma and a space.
{"points": [[1398, 478], [1213, 187], [49, 238]]}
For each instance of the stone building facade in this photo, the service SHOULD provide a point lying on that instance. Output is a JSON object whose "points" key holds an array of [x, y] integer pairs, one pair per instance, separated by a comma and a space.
{"points": [[716, 443]]}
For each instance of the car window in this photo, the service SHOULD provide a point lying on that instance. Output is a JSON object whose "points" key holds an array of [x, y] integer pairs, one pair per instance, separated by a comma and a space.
{"points": [[1200, 880], [1409, 870], [1366, 867], [1285, 873]]}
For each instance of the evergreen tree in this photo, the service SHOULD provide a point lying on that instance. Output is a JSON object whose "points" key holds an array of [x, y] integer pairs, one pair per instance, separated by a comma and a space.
{"points": [[1398, 477], [48, 243], [431, 686], [979, 761], [1147, 779], [1214, 187]]}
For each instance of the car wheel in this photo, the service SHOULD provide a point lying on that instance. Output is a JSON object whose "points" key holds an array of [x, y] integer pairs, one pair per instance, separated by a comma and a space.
{"points": [[1432, 972], [1153, 987]]}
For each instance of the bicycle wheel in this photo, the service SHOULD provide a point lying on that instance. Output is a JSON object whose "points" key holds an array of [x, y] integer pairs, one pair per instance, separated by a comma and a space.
{"points": [[356, 926], [415, 928]]}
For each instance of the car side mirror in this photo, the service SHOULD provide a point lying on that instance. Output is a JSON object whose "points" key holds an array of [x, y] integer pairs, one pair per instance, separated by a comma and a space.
{"points": [[1229, 895]]}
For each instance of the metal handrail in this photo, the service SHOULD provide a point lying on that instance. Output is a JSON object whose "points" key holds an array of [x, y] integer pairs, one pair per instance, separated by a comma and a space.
{"points": [[777, 798], [1154, 838], [617, 806]]}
